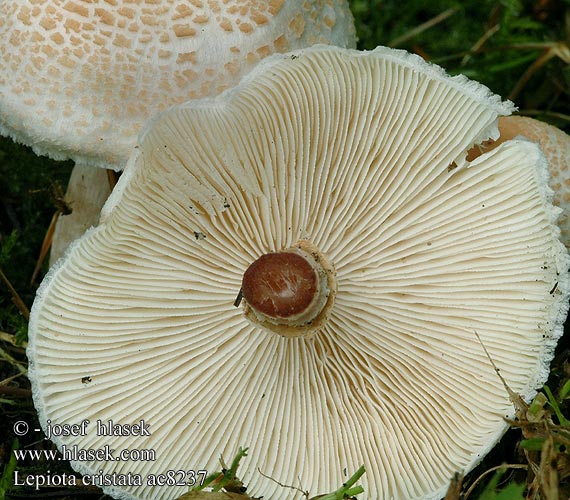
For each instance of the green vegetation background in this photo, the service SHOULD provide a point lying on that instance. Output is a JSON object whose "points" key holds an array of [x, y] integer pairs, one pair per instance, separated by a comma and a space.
{"points": [[519, 49]]}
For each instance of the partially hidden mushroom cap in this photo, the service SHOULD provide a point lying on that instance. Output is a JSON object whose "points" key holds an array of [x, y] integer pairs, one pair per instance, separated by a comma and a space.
{"points": [[359, 160], [79, 79], [555, 144]]}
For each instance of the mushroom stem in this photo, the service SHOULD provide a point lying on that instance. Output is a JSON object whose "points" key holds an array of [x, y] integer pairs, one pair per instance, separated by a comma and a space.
{"points": [[88, 189], [289, 292]]}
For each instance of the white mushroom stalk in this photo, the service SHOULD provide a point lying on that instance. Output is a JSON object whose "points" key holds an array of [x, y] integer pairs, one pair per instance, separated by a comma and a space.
{"points": [[359, 159]]}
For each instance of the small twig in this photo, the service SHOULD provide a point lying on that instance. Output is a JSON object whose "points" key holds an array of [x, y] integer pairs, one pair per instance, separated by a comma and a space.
{"points": [[535, 66], [24, 311], [479, 43], [304, 493], [347, 490], [11, 339], [16, 392], [46, 245], [6, 381], [237, 302], [487, 472], [430, 23], [454, 489], [513, 396], [14, 362]]}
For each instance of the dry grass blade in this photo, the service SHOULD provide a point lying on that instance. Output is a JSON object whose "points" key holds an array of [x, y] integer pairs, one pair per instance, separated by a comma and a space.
{"points": [[302, 492], [422, 27], [547, 472], [560, 50], [11, 339], [46, 245], [454, 490], [15, 392], [24, 311], [520, 405], [486, 473], [537, 64], [479, 44], [14, 362]]}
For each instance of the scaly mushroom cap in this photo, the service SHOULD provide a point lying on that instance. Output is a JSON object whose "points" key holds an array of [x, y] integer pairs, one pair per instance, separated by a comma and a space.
{"points": [[358, 159], [555, 145], [79, 78]]}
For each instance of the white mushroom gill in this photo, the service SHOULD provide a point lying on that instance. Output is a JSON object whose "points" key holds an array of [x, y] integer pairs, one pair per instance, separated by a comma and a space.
{"points": [[555, 145], [362, 155]]}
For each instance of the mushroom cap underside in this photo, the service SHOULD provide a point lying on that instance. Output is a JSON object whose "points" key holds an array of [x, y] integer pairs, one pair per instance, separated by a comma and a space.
{"points": [[362, 154]]}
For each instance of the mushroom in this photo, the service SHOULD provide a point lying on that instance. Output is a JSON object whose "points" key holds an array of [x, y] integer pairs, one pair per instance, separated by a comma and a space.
{"points": [[87, 190], [79, 79], [338, 173], [556, 146]]}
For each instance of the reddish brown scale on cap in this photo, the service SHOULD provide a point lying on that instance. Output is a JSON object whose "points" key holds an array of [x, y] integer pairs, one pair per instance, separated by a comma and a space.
{"points": [[280, 284]]}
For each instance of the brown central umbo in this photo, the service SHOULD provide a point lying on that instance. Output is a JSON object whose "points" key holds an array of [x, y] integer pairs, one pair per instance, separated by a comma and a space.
{"points": [[280, 284], [289, 292]]}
